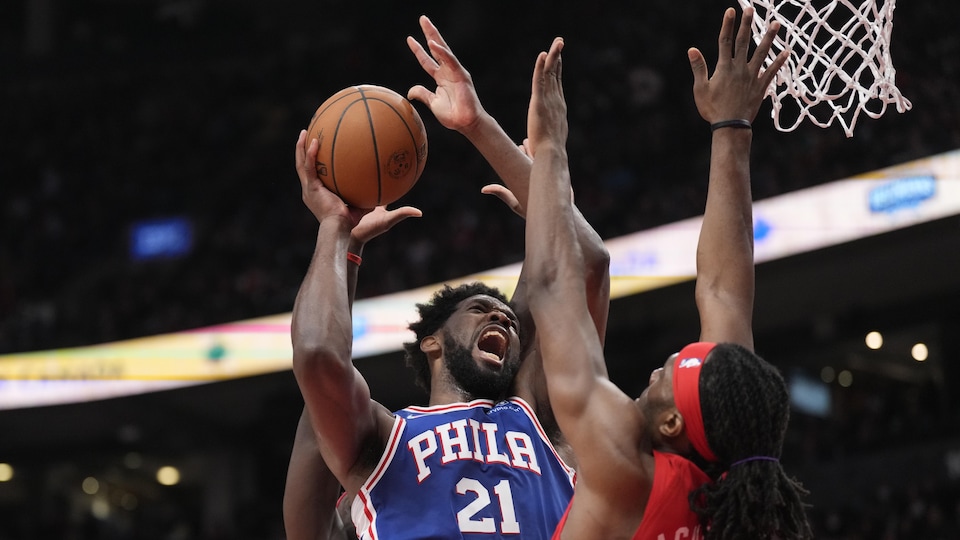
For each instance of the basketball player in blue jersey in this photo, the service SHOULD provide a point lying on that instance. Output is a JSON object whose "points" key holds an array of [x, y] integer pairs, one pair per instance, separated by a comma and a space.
{"points": [[479, 460]]}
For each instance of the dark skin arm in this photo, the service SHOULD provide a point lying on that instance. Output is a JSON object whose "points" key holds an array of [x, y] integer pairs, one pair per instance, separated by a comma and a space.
{"points": [[456, 106], [725, 275], [604, 425], [344, 418], [312, 491], [580, 390]]}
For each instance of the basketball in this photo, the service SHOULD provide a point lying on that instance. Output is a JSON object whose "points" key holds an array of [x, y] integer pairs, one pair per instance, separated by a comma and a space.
{"points": [[373, 145]]}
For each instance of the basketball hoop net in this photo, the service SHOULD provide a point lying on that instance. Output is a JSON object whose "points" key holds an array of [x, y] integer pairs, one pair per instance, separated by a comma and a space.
{"points": [[839, 64]]}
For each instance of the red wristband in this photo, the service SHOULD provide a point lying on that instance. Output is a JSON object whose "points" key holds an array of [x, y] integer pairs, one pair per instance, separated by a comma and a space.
{"points": [[354, 258]]}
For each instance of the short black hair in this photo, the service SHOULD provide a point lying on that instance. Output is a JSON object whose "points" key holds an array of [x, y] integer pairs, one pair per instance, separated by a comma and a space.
{"points": [[433, 315], [746, 408]]}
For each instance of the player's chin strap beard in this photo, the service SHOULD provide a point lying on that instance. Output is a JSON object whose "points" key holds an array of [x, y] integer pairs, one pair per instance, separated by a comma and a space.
{"points": [[476, 382]]}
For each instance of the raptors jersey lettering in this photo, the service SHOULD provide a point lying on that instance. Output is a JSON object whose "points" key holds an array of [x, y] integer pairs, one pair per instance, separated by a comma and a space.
{"points": [[668, 515], [479, 470]]}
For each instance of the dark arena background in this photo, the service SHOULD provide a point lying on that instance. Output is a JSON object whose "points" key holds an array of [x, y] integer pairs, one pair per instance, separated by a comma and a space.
{"points": [[122, 114]]}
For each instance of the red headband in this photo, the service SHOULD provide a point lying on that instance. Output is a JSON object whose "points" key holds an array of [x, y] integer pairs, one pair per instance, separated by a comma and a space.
{"points": [[686, 394]]}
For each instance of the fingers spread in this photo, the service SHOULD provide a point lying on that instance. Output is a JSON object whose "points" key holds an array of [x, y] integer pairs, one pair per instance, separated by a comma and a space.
{"points": [[697, 65], [763, 49], [421, 94], [505, 195], [771, 71], [442, 54], [426, 61], [743, 34], [725, 41], [399, 214], [431, 32]]}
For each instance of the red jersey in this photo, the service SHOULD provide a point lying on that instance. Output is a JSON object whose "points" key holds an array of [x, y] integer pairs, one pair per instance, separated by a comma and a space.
{"points": [[668, 515]]}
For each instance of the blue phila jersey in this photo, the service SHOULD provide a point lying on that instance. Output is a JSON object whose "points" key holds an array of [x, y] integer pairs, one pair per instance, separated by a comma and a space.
{"points": [[479, 470]]}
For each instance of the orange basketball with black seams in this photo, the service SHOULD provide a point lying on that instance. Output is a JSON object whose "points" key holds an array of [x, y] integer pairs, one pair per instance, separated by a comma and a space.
{"points": [[373, 145]]}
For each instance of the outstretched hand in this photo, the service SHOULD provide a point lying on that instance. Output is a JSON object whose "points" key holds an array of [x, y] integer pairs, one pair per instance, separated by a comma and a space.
{"points": [[501, 192], [320, 200], [504, 193], [547, 116], [454, 102], [381, 220], [739, 84]]}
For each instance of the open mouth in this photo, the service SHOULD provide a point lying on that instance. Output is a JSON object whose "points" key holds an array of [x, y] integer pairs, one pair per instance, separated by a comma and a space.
{"points": [[493, 344]]}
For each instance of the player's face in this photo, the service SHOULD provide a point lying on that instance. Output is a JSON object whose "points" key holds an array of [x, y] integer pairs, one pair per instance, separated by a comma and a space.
{"points": [[481, 346], [659, 391]]}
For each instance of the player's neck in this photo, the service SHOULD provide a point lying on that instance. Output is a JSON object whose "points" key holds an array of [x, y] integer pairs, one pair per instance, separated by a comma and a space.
{"points": [[445, 394]]}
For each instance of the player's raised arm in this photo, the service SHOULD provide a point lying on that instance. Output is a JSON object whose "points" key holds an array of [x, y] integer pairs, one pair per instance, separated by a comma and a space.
{"points": [[336, 395], [310, 498], [553, 260], [580, 392], [456, 105], [729, 101]]}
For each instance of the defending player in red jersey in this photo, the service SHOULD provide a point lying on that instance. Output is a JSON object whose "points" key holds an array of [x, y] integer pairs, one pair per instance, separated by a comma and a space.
{"points": [[715, 401]]}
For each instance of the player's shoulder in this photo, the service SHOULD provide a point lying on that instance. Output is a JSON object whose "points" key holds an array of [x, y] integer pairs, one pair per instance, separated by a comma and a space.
{"points": [[678, 466]]}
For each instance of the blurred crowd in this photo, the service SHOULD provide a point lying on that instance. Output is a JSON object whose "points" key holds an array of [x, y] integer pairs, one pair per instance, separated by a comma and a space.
{"points": [[118, 112]]}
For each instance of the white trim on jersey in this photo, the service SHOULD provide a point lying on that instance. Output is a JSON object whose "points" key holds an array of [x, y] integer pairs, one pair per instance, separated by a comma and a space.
{"points": [[528, 410], [451, 406], [362, 512]]}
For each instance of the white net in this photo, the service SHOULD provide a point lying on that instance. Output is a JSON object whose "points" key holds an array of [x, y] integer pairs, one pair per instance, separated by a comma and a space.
{"points": [[839, 63]]}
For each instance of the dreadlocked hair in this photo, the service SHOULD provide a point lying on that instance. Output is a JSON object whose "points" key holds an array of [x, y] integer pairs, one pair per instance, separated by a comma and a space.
{"points": [[745, 408], [433, 315]]}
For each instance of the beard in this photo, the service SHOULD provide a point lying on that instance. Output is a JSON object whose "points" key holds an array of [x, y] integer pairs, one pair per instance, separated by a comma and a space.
{"points": [[479, 383]]}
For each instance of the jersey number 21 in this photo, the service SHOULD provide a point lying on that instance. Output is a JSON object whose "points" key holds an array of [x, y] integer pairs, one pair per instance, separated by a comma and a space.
{"points": [[465, 517]]}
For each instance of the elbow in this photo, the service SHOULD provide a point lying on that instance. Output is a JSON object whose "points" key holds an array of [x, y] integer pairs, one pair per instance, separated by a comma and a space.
{"points": [[707, 293], [601, 259], [570, 398], [597, 264], [313, 363], [595, 253], [319, 346], [729, 287]]}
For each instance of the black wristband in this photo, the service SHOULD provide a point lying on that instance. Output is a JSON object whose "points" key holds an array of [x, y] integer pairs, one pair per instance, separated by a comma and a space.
{"points": [[735, 123]]}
